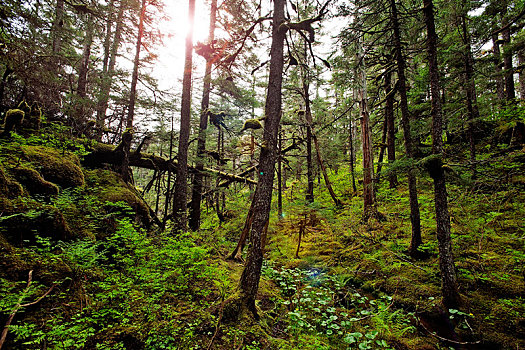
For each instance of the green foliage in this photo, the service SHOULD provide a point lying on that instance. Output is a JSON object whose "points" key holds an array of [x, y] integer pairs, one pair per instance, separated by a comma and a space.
{"points": [[327, 307], [124, 282]]}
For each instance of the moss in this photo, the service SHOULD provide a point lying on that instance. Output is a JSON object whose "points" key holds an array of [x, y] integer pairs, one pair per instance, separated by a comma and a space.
{"points": [[109, 187], [42, 220], [33, 120], [13, 119], [61, 169], [253, 124], [9, 188], [11, 264], [34, 183]]}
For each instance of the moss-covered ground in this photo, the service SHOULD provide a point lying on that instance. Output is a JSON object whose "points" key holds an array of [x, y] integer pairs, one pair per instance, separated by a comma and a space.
{"points": [[112, 284]]}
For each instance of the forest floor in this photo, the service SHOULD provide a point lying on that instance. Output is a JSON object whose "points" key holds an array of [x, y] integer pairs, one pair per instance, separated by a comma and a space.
{"points": [[110, 282]]}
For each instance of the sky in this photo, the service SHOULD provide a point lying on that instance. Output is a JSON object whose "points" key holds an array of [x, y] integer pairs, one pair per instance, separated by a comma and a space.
{"points": [[170, 65]]}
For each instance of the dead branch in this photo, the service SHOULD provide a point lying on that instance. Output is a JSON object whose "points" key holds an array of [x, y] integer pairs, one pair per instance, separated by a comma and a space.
{"points": [[20, 305]]}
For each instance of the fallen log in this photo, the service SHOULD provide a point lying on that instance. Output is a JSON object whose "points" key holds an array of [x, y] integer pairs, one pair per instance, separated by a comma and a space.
{"points": [[105, 154]]}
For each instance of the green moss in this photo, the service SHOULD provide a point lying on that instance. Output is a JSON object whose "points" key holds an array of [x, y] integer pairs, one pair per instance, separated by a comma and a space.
{"points": [[37, 219], [109, 187], [34, 183], [9, 188], [253, 124], [61, 169], [33, 120], [13, 119]]}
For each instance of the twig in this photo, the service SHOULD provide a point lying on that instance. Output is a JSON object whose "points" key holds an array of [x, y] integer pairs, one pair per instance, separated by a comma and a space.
{"points": [[218, 324], [19, 305]]}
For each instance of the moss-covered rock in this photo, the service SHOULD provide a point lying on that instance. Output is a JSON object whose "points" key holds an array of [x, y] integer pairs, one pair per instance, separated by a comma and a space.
{"points": [[41, 220], [109, 187], [61, 169], [34, 183], [8, 187]]}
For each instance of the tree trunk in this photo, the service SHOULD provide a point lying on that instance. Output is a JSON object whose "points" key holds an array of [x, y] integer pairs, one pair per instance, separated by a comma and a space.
{"points": [[352, 155], [107, 75], [236, 255], [327, 182], [251, 274], [84, 63], [409, 143], [309, 160], [133, 95], [58, 26], [451, 297], [510, 92], [500, 85], [280, 177], [7, 72], [470, 86], [370, 209], [135, 74], [521, 63], [196, 197], [181, 181], [391, 132], [83, 68], [381, 153]]}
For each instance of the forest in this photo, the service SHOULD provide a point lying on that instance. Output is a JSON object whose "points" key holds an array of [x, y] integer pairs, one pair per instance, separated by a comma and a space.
{"points": [[253, 174]]}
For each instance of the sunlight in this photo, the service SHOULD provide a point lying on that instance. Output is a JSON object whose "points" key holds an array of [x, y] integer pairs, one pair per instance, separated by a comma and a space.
{"points": [[171, 55]]}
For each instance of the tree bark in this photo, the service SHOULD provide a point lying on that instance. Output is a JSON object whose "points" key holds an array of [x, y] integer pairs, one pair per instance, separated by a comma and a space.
{"points": [[381, 153], [510, 92], [327, 182], [352, 155], [132, 97], [279, 176], [236, 255], [449, 286], [107, 75], [370, 209], [500, 85], [405, 124], [308, 117], [521, 63], [58, 25], [135, 74], [196, 198], [391, 132], [84, 62], [470, 86], [181, 181], [251, 274], [81, 107]]}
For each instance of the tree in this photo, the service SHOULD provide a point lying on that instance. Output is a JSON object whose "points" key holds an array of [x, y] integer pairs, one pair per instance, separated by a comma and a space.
{"points": [[405, 123], [181, 180], [449, 286], [251, 274], [369, 203], [195, 205], [108, 68]]}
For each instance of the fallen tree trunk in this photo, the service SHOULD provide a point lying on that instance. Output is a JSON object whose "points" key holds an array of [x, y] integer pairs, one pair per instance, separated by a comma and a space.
{"points": [[105, 154]]}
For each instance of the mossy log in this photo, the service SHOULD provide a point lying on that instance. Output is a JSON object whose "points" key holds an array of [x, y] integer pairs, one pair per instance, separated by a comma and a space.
{"points": [[104, 154]]}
